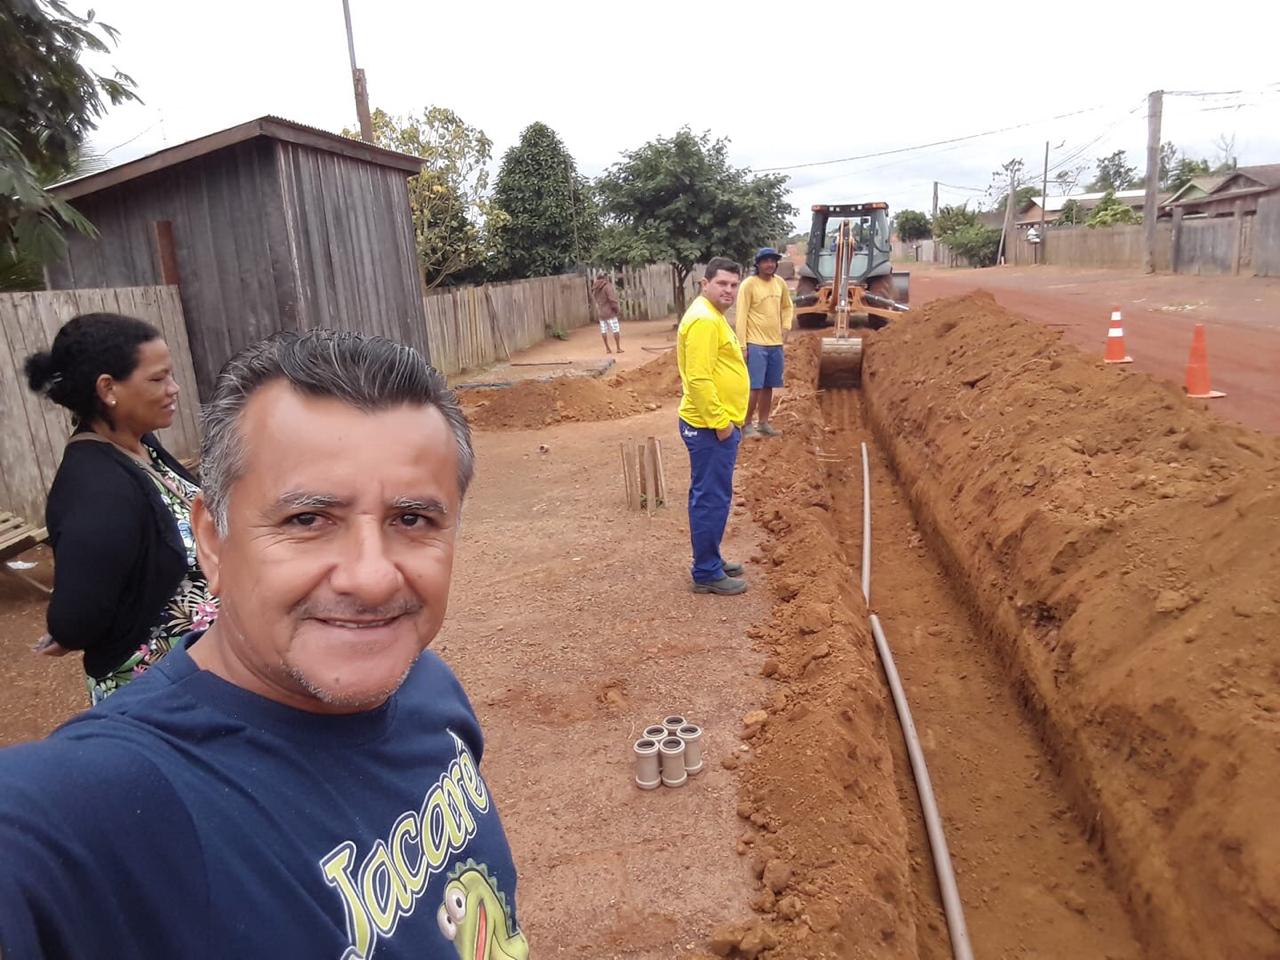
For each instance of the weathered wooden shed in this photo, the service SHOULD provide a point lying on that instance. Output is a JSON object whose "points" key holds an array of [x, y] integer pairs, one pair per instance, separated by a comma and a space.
{"points": [[266, 226]]}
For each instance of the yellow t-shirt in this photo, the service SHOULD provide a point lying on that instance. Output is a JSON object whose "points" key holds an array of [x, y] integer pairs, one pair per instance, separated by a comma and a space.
{"points": [[764, 310], [712, 371]]}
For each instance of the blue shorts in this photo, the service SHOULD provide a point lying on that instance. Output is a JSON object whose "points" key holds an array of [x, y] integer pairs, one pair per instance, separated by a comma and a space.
{"points": [[765, 366]]}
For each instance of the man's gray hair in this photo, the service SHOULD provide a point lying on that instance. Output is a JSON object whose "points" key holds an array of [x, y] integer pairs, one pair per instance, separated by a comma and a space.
{"points": [[369, 373]]}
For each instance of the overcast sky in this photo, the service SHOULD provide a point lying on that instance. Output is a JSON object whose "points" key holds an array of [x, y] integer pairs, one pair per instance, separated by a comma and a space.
{"points": [[773, 78]]}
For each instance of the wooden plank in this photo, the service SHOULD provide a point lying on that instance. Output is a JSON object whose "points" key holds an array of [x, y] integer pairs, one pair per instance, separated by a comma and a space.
{"points": [[645, 455], [630, 478], [166, 252], [23, 486], [48, 426], [643, 475], [1265, 257], [654, 446]]}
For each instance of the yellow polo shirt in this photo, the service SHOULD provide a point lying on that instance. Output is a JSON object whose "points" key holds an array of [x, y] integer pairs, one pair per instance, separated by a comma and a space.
{"points": [[712, 371], [764, 310]]}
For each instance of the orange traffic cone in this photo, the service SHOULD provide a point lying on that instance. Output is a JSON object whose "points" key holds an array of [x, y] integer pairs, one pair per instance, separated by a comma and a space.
{"points": [[1115, 352], [1198, 369]]}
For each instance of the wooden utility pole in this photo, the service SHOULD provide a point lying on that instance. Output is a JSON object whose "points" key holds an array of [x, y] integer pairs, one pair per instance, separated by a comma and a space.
{"points": [[1007, 233], [1044, 202], [935, 200], [1150, 211], [357, 81]]}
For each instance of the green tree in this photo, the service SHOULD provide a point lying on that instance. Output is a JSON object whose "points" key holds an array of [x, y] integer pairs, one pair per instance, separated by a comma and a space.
{"points": [[679, 200], [452, 219], [49, 102], [1184, 171], [1072, 213], [952, 218], [912, 225], [1111, 211], [1168, 158], [978, 244], [550, 218], [1114, 173]]}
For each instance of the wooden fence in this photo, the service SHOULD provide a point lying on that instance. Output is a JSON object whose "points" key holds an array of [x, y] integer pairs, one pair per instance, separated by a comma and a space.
{"points": [[1266, 238], [33, 430], [1248, 245], [471, 327], [648, 293]]}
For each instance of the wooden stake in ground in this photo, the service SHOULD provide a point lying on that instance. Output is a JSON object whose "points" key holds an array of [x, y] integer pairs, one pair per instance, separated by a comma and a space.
{"points": [[659, 484], [630, 477], [645, 451], [643, 472]]}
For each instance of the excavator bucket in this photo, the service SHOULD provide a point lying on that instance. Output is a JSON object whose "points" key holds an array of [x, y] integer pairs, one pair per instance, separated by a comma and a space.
{"points": [[841, 363]]}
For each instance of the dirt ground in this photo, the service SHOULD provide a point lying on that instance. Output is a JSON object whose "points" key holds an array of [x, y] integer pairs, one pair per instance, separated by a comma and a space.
{"points": [[1121, 544], [1076, 569], [1241, 317], [572, 627]]}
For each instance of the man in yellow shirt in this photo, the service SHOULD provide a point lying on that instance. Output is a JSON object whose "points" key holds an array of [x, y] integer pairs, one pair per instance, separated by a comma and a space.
{"points": [[764, 315], [715, 383]]}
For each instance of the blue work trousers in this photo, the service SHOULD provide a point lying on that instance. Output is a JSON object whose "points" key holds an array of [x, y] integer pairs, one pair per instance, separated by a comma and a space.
{"points": [[711, 463]]}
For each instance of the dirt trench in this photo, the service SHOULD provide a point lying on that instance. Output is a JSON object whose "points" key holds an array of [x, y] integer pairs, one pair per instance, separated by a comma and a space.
{"points": [[1079, 572], [829, 793], [1118, 547], [1031, 884]]}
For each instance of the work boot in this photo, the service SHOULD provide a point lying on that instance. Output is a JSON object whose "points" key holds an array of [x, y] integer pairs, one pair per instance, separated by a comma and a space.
{"points": [[725, 586], [750, 430], [732, 569], [768, 430]]}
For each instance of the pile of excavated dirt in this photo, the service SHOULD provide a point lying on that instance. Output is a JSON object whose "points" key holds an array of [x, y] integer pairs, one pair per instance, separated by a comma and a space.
{"points": [[1123, 548], [532, 404], [659, 379], [823, 824]]}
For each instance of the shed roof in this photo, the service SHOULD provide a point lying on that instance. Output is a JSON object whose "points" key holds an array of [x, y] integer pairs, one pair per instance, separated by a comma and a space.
{"points": [[273, 127], [1266, 174], [1207, 183]]}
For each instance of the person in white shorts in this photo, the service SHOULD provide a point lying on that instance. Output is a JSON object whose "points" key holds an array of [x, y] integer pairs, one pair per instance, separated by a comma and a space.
{"points": [[607, 309]]}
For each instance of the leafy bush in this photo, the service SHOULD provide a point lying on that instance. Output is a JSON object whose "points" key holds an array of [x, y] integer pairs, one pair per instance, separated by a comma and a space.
{"points": [[978, 244]]}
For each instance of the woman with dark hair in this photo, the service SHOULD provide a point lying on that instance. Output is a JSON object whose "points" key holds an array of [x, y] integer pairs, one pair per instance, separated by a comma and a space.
{"points": [[126, 582]]}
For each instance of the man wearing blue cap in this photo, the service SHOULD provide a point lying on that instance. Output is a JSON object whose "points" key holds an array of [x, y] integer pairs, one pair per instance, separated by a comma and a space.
{"points": [[764, 314]]}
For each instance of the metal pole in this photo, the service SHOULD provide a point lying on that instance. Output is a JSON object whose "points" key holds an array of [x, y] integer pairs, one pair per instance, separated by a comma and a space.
{"points": [[1150, 213], [358, 81]]}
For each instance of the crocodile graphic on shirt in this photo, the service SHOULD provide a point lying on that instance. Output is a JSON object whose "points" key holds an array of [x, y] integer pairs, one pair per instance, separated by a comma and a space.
{"points": [[474, 917]]}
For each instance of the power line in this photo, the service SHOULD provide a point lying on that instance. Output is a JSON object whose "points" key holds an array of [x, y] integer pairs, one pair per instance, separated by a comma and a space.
{"points": [[133, 138], [1201, 93], [925, 146]]}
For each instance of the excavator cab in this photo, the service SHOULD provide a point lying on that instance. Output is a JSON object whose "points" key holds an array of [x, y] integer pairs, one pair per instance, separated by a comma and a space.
{"points": [[869, 224], [880, 292]]}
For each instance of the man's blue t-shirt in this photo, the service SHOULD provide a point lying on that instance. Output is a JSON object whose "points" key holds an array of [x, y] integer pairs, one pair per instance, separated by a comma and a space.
{"points": [[186, 817]]}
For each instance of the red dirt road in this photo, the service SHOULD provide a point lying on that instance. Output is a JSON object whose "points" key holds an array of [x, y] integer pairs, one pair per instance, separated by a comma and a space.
{"points": [[1241, 317]]}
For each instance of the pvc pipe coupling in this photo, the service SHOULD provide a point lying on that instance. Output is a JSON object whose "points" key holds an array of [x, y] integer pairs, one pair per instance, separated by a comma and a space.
{"points": [[690, 735], [671, 751], [646, 754], [668, 753]]}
